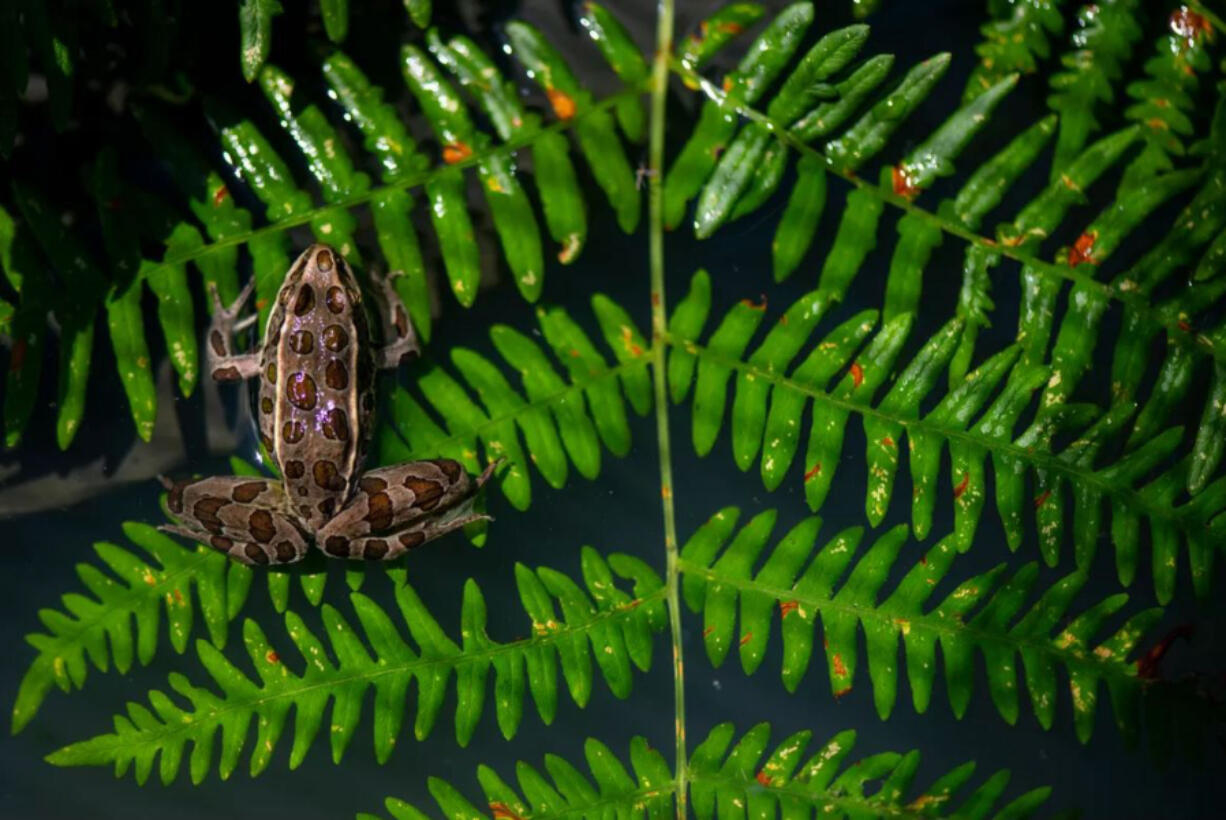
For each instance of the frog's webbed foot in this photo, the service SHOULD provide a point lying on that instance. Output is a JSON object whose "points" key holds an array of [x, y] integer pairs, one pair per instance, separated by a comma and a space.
{"points": [[223, 364], [397, 508], [398, 333], [238, 515]]}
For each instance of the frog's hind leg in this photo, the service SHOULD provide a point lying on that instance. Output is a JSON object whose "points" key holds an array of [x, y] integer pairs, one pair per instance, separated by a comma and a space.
{"points": [[241, 516], [396, 508], [400, 339], [223, 363]]}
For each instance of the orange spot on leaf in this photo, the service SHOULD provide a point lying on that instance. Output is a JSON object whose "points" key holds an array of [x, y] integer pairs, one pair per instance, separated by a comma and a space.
{"points": [[763, 778], [813, 471], [563, 104], [503, 812], [1083, 250], [840, 668], [1183, 325], [708, 631], [746, 638], [731, 27], [758, 306], [786, 608], [219, 196], [857, 374], [887, 442], [1041, 498], [272, 657], [961, 488], [904, 184], [454, 152], [1190, 26]]}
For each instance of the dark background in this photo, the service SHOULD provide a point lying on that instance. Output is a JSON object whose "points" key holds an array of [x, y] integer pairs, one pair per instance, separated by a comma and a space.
{"points": [[618, 512]]}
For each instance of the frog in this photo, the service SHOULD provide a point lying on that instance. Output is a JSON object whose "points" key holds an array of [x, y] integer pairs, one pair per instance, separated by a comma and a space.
{"points": [[315, 413]]}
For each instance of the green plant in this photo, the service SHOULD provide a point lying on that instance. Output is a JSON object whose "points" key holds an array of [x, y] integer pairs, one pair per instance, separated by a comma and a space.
{"points": [[1062, 448]]}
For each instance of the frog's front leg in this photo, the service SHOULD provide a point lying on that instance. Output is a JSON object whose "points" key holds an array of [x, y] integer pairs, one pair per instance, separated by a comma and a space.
{"points": [[397, 508], [223, 364], [400, 339], [241, 516]]}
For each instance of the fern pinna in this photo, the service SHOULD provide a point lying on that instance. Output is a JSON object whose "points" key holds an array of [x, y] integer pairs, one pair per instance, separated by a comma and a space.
{"points": [[730, 781], [1135, 464]]}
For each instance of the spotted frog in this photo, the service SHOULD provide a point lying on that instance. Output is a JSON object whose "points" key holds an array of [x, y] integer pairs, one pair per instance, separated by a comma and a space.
{"points": [[316, 402]]}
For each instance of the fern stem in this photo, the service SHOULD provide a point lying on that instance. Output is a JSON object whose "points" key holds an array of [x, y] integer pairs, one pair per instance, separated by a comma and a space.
{"points": [[415, 180], [1202, 343], [659, 314]]}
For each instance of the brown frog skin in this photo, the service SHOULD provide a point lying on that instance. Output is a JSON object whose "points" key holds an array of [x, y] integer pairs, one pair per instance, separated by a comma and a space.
{"points": [[316, 400]]}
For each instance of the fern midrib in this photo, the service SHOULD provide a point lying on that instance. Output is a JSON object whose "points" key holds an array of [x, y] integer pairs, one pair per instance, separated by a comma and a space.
{"points": [[414, 180], [338, 679], [659, 325], [1038, 459], [821, 802], [1203, 345], [925, 621]]}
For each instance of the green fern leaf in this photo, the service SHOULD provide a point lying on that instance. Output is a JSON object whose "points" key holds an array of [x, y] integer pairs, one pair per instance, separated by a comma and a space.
{"points": [[1015, 40], [728, 779], [980, 615], [606, 622], [120, 618], [1080, 470]]}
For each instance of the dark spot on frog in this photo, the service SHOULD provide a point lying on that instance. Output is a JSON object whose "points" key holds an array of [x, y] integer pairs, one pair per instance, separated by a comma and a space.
{"points": [[261, 526], [247, 491], [372, 484], [275, 338], [285, 552], [450, 468], [302, 491], [337, 545], [205, 511], [336, 376], [301, 342], [175, 498], [327, 477], [257, 555], [411, 539], [375, 549], [335, 299], [227, 374], [402, 322], [220, 542], [336, 425], [300, 389], [305, 301], [266, 441], [292, 432], [327, 507], [266, 405], [271, 372], [335, 338], [218, 342], [426, 493], [294, 469], [379, 513], [324, 260]]}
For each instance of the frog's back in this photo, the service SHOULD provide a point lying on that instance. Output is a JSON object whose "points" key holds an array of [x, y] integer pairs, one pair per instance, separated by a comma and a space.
{"points": [[316, 384]]}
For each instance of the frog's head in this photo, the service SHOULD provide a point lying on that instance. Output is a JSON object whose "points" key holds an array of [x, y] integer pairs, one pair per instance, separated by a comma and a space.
{"points": [[328, 274]]}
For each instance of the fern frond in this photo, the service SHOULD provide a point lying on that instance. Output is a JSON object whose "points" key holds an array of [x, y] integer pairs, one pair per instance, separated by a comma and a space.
{"points": [[981, 615], [120, 617], [1100, 45], [1018, 36], [563, 419], [605, 622], [211, 239], [728, 782], [976, 419]]}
